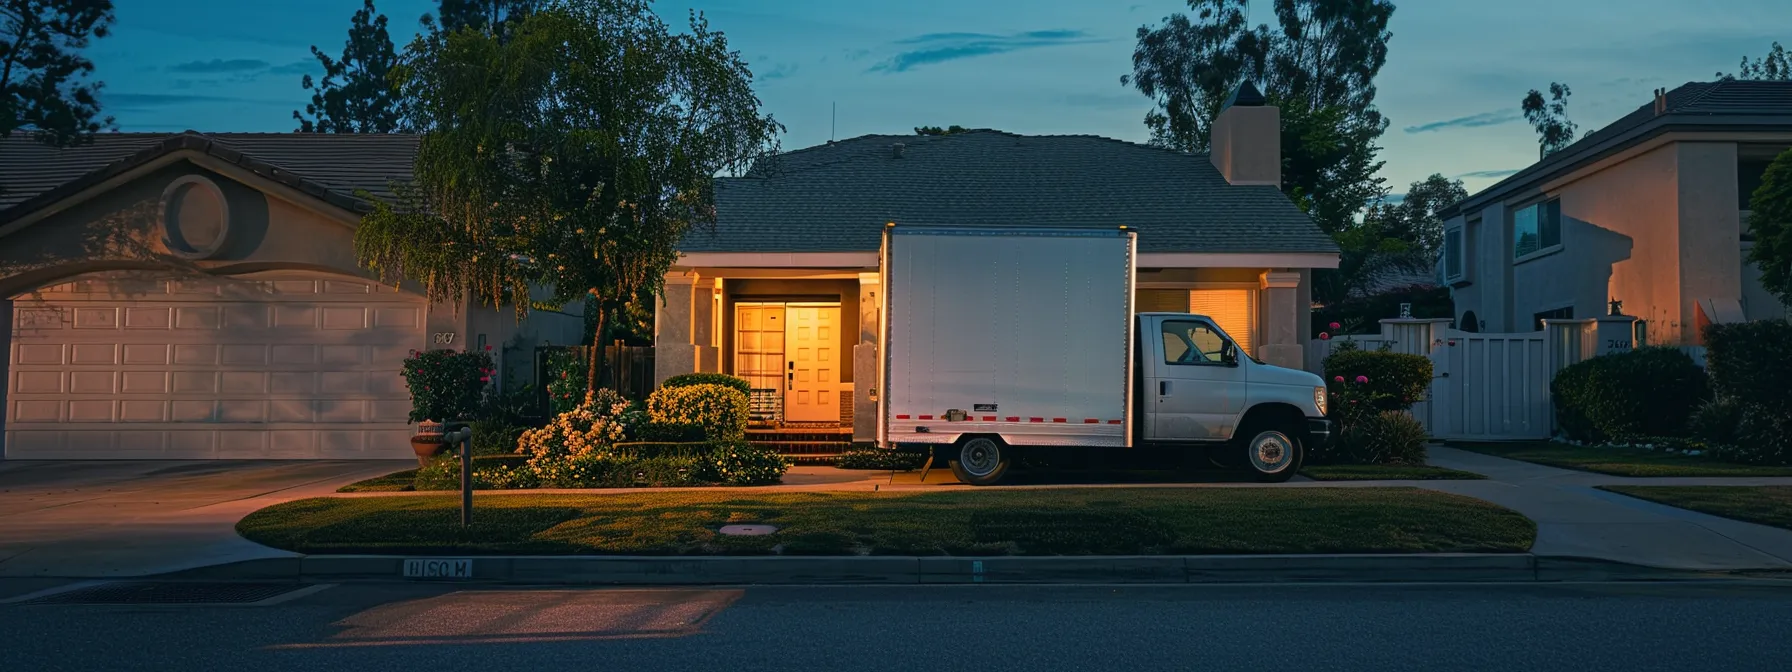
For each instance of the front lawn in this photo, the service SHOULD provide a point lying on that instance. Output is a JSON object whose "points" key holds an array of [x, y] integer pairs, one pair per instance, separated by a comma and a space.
{"points": [[1385, 472], [397, 481], [1764, 504], [1639, 462], [1067, 521]]}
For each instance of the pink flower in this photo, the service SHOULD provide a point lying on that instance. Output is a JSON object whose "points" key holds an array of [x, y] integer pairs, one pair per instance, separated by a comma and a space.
{"points": [[1337, 379], [1334, 326], [485, 379], [1324, 336], [488, 348], [1362, 379]]}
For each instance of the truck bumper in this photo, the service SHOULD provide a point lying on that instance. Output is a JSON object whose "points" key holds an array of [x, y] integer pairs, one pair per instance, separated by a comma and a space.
{"points": [[1320, 431]]}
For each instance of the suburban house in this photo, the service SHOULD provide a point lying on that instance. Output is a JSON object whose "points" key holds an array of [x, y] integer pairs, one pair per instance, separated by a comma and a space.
{"points": [[1650, 211], [783, 290], [197, 296]]}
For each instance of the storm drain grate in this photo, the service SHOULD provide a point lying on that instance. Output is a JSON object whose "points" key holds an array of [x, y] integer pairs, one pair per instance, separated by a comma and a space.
{"points": [[170, 593]]}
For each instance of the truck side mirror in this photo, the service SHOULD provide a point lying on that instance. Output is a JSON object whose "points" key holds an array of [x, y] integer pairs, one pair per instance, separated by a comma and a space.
{"points": [[1229, 354]]}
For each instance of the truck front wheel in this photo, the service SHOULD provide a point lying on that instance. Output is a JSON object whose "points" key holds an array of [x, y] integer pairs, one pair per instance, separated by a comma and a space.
{"points": [[981, 460], [1273, 454]]}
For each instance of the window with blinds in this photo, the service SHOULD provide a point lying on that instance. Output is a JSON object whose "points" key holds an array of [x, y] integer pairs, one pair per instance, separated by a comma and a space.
{"points": [[1163, 301], [1235, 310]]}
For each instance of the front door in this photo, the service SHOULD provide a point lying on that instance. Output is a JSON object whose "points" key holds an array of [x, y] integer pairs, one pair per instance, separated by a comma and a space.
{"points": [[1197, 395], [759, 344], [812, 367]]}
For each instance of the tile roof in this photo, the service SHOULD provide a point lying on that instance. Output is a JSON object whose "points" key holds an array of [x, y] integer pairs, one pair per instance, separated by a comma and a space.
{"points": [[837, 197], [1730, 104], [329, 166]]}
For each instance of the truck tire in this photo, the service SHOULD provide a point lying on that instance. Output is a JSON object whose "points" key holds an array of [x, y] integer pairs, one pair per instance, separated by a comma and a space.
{"points": [[1273, 453], [981, 460]]}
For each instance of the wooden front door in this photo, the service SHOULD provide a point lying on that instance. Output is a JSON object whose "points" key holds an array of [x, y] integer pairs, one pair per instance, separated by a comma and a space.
{"points": [[812, 367], [759, 344]]}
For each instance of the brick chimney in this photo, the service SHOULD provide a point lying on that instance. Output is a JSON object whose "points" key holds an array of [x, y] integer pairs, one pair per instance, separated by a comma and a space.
{"points": [[1247, 139]]}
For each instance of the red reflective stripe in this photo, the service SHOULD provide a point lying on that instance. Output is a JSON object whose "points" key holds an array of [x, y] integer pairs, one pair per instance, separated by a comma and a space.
{"points": [[1060, 420], [1014, 418], [902, 417], [989, 418], [926, 417], [1091, 421], [1113, 422], [1035, 419]]}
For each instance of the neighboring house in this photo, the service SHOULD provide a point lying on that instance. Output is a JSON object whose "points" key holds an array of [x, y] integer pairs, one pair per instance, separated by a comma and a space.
{"points": [[1650, 211], [197, 296], [783, 291]]}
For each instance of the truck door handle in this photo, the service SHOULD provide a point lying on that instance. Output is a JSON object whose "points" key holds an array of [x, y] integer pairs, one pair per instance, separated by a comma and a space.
{"points": [[1163, 388]]}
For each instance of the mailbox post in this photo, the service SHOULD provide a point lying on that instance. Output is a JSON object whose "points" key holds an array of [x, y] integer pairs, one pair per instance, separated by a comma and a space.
{"points": [[464, 436]]}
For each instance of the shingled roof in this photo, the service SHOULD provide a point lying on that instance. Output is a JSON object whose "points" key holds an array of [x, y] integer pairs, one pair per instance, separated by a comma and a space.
{"points": [[837, 197], [330, 167], [1729, 105]]}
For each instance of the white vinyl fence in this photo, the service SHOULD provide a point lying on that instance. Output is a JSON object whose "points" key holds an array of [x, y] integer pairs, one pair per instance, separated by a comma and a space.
{"points": [[1484, 386]]}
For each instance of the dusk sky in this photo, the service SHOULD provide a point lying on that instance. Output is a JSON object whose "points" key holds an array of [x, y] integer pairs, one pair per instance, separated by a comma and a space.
{"points": [[1451, 88]]}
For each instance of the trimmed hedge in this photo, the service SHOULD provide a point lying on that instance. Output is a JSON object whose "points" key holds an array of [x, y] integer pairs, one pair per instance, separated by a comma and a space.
{"points": [[881, 459], [1751, 361], [720, 410], [640, 464], [1391, 381], [1717, 421], [690, 379], [1644, 392], [447, 384], [667, 432]]}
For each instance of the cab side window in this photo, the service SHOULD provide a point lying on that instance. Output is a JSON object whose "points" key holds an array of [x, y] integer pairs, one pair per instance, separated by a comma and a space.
{"points": [[1192, 343]]}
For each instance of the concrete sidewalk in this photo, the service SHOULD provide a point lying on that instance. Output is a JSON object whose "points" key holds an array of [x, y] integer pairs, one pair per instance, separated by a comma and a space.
{"points": [[133, 518], [1576, 520]]}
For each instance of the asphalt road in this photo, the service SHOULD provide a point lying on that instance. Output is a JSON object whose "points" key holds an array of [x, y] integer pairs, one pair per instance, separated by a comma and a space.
{"points": [[1680, 627]]}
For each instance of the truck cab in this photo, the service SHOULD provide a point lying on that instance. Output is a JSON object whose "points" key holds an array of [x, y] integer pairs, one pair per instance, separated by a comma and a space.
{"points": [[1193, 386]]}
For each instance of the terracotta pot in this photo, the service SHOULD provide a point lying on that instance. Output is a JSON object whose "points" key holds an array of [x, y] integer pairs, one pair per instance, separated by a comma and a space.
{"points": [[426, 446]]}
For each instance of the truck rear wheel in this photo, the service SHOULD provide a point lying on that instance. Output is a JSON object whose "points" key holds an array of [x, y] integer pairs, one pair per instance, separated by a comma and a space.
{"points": [[1273, 453], [982, 460]]}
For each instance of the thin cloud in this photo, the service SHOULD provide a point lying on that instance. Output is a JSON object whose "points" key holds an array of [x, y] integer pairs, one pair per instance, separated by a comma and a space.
{"points": [[151, 101], [777, 71], [1489, 174], [218, 65], [934, 48], [1494, 118], [303, 66], [1107, 100]]}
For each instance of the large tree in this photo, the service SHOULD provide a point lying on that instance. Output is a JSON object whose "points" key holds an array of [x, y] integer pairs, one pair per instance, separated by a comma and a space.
{"points": [[1393, 239], [1550, 118], [572, 156], [44, 81], [1770, 223], [954, 129], [357, 94], [482, 15], [1775, 66], [1318, 64]]}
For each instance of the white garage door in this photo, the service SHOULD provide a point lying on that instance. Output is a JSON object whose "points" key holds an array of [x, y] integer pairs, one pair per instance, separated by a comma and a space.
{"points": [[265, 368]]}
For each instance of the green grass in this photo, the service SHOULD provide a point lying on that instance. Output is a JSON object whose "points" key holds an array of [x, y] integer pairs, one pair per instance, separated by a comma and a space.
{"points": [[397, 481], [1638, 462], [1064, 521], [1764, 504], [1385, 472]]}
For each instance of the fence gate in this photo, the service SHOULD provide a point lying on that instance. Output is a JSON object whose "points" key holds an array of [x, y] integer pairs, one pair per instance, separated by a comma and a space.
{"points": [[1483, 386]]}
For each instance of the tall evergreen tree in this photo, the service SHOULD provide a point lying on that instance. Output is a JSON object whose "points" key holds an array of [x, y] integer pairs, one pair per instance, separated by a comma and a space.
{"points": [[1775, 66], [44, 84], [357, 94]]}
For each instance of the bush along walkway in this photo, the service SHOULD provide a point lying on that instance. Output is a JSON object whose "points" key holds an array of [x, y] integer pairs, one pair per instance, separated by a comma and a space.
{"points": [[1644, 460]]}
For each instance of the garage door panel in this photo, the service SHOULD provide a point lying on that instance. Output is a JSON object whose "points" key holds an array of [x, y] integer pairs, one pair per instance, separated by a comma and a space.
{"points": [[283, 368], [93, 354], [92, 382]]}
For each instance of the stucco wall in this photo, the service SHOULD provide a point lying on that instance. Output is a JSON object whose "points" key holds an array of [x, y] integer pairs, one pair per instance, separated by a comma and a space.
{"points": [[1757, 302]]}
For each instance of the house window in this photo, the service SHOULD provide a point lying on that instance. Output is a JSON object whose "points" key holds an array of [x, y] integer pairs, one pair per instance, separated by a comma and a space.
{"points": [[1536, 228], [1453, 254], [1557, 314], [1234, 310], [1749, 173]]}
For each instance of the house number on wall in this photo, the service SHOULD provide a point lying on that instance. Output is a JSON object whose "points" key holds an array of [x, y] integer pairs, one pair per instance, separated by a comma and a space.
{"points": [[444, 338], [1617, 344]]}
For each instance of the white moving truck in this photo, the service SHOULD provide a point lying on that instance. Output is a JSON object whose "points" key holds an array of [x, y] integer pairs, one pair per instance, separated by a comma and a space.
{"points": [[998, 339]]}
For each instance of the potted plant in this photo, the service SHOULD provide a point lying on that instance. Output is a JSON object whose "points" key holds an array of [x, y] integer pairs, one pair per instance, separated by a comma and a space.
{"points": [[427, 441]]}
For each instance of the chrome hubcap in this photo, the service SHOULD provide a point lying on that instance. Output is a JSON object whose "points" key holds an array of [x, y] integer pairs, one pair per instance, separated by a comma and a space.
{"points": [[979, 457], [1271, 452]]}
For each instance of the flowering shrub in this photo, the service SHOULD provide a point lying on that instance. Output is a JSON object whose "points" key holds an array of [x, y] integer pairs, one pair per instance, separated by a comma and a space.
{"points": [[595, 426], [447, 384], [567, 373], [489, 473], [719, 409], [689, 379], [741, 463], [623, 469], [1393, 381]]}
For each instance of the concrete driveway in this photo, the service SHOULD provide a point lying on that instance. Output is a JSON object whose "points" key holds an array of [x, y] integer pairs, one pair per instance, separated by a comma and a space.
{"points": [[131, 518]]}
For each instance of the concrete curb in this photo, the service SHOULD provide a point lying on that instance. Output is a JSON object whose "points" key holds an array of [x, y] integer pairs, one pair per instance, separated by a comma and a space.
{"points": [[1206, 569]]}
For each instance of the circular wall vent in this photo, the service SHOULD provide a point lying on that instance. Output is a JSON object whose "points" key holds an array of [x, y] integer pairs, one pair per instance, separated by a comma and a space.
{"points": [[195, 217]]}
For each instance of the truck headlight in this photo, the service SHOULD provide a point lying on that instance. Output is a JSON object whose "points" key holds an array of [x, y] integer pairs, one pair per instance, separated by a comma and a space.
{"points": [[1319, 399]]}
